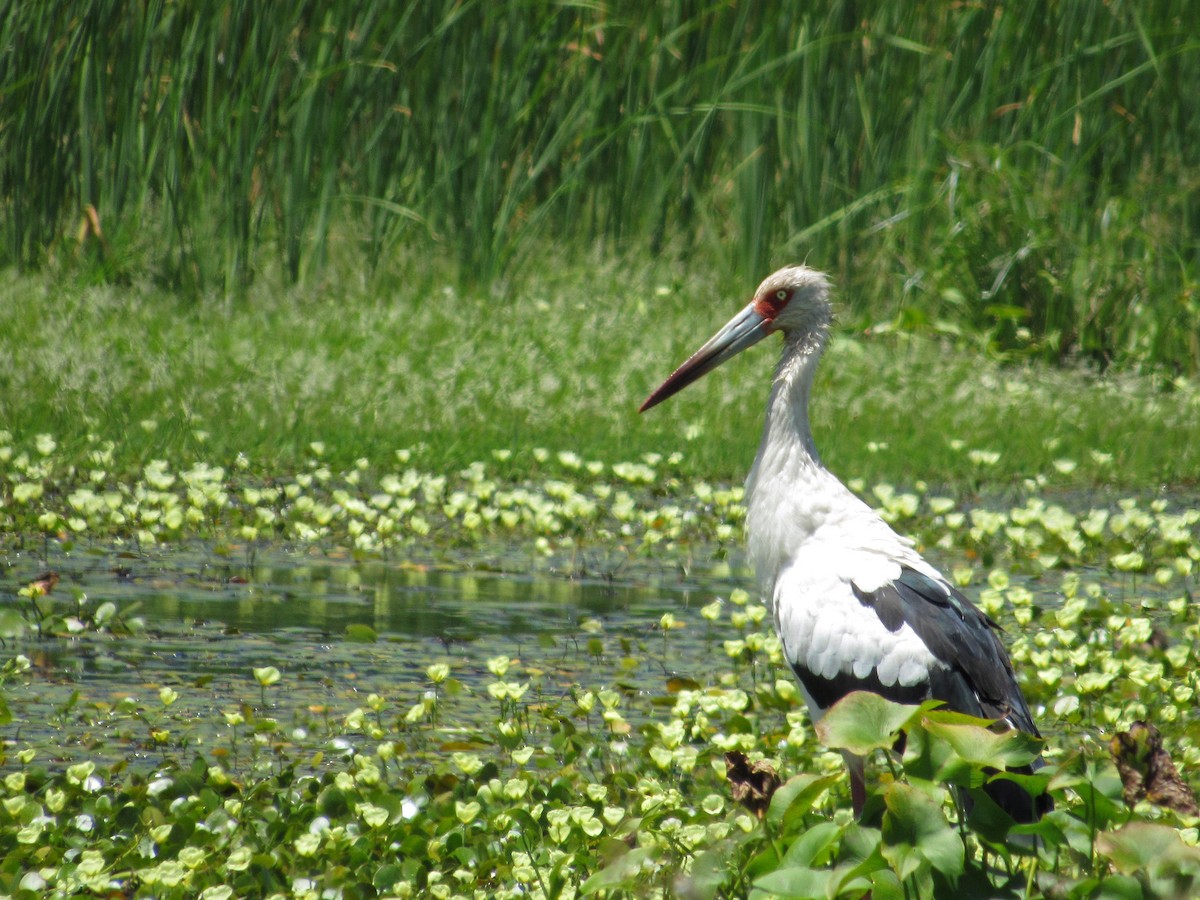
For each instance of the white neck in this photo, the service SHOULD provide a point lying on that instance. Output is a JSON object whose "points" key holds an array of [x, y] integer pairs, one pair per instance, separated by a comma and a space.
{"points": [[787, 445], [789, 493]]}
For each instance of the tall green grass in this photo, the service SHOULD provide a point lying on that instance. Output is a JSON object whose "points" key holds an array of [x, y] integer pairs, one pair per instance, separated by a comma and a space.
{"points": [[460, 373], [1021, 174]]}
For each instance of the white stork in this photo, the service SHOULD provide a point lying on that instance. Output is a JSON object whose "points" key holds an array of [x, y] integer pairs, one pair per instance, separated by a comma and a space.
{"points": [[855, 605]]}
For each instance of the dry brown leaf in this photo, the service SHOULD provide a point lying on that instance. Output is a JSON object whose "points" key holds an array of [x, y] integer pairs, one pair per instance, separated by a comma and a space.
{"points": [[1147, 772]]}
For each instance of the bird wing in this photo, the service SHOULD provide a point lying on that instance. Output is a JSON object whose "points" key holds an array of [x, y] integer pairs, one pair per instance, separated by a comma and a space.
{"points": [[834, 641], [882, 619], [976, 676]]}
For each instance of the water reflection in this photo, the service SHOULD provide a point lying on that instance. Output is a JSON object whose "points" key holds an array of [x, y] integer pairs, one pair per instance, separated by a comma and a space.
{"points": [[209, 621], [404, 601]]}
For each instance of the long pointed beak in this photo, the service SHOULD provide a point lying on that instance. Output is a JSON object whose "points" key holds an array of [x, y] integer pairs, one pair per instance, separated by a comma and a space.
{"points": [[744, 330]]}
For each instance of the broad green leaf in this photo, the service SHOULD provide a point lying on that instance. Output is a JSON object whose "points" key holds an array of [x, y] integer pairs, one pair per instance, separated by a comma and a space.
{"points": [[1118, 887], [386, 876], [846, 882], [764, 862], [860, 857], [12, 623], [795, 798], [885, 886], [1141, 846], [814, 847], [104, 612], [709, 873], [1100, 809], [861, 722], [914, 829], [944, 716], [795, 881], [621, 872], [1037, 783], [927, 756], [860, 845], [984, 747], [987, 819], [1048, 829]]}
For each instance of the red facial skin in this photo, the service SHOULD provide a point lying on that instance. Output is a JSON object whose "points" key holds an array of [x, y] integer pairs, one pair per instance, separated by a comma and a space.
{"points": [[771, 305]]}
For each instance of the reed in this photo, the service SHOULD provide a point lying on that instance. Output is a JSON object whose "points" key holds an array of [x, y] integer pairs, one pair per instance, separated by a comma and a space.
{"points": [[1022, 175]]}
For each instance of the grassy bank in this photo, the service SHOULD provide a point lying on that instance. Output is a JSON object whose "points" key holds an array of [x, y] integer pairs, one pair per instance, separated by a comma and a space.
{"points": [[1023, 171], [461, 373]]}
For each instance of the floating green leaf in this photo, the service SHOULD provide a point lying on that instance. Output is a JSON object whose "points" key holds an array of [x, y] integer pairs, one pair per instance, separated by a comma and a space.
{"points": [[361, 634], [266, 675], [862, 722]]}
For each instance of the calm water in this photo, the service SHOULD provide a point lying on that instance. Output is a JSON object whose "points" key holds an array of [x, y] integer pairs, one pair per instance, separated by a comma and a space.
{"points": [[209, 619]]}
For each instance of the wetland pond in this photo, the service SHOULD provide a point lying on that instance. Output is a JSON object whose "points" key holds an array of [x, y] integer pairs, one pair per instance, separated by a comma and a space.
{"points": [[506, 683], [200, 621], [196, 621]]}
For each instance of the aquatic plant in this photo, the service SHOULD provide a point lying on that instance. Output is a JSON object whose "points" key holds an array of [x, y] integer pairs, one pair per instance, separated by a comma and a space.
{"points": [[525, 778]]}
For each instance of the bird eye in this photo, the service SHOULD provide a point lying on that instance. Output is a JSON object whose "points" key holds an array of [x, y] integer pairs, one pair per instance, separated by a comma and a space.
{"points": [[770, 303]]}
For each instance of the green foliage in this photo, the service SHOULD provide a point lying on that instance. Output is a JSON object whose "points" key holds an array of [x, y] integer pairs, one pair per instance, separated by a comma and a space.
{"points": [[863, 723], [544, 803], [1159, 862], [547, 774], [1016, 175], [916, 837], [51, 496]]}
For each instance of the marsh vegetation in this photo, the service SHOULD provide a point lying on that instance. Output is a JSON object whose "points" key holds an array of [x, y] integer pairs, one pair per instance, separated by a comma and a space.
{"points": [[335, 560]]}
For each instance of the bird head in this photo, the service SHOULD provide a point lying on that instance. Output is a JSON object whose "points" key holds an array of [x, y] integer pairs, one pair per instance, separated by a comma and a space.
{"points": [[794, 300]]}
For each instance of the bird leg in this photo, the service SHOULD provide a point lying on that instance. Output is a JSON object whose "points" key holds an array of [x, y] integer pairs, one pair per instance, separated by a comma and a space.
{"points": [[858, 782]]}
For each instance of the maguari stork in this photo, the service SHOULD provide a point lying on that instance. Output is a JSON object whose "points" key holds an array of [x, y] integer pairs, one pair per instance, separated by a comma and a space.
{"points": [[855, 605]]}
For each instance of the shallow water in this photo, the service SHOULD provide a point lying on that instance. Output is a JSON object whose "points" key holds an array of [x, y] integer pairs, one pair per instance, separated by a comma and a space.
{"points": [[206, 620], [340, 629]]}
